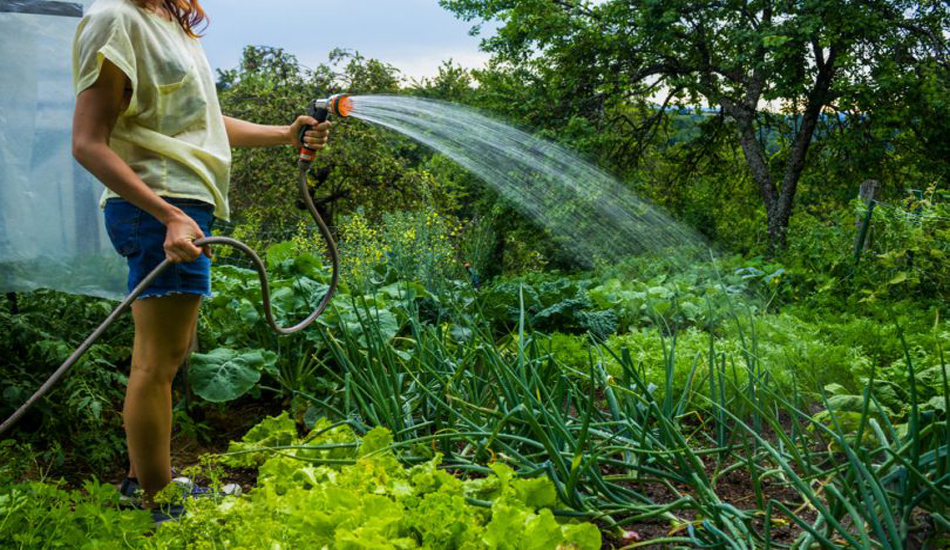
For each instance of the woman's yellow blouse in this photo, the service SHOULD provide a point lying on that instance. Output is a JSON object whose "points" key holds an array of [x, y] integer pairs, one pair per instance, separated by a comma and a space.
{"points": [[172, 134]]}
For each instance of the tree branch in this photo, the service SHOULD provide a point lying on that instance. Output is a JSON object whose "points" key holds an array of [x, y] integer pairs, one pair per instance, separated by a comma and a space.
{"points": [[574, 7], [819, 54], [817, 98]]}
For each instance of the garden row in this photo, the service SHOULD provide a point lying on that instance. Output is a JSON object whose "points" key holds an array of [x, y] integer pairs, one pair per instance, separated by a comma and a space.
{"points": [[673, 406]]}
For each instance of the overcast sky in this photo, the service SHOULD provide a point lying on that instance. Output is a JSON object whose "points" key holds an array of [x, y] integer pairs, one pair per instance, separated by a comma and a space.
{"points": [[415, 36]]}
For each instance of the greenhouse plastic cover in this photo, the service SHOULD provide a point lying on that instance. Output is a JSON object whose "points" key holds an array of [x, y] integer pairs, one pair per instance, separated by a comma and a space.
{"points": [[51, 227]]}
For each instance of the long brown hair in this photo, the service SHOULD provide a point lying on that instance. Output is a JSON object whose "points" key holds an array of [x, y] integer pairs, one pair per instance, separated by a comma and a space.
{"points": [[188, 13]]}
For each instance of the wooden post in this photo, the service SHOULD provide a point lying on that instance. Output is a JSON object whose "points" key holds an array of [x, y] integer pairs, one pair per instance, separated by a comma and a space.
{"points": [[863, 223]]}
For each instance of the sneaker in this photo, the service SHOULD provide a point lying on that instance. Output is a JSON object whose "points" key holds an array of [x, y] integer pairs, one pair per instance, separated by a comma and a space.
{"points": [[129, 491], [167, 513], [197, 491], [129, 494]]}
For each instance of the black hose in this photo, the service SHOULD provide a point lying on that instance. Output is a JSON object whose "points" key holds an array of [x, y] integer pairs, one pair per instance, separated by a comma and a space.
{"points": [[304, 189]]}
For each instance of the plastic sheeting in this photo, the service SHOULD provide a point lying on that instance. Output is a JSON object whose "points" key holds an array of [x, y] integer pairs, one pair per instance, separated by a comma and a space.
{"points": [[51, 227]]}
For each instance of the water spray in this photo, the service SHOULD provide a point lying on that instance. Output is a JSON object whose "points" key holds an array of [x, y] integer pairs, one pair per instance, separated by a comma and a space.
{"points": [[585, 210], [338, 105]]}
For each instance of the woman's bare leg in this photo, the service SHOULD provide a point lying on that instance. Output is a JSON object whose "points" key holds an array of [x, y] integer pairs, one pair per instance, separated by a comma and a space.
{"points": [[163, 333], [192, 347]]}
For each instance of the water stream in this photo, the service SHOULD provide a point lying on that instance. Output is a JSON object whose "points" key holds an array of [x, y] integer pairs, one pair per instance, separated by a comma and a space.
{"points": [[582, 207]]}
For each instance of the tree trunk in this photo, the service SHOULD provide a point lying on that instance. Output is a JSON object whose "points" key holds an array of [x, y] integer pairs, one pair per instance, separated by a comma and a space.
{"points": [[817, 98], [778, 201], [754, 152], [778, 218]]}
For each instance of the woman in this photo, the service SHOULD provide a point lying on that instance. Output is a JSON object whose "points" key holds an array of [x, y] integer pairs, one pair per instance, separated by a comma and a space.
{"points": [[148, 125]]}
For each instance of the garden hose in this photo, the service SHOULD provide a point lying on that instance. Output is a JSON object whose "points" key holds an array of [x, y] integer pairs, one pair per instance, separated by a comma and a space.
{"points": [[320, 110]]}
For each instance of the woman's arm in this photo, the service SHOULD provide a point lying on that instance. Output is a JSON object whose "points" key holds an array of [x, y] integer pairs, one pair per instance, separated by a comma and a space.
{"points": [[97, 109], [247, 134]]}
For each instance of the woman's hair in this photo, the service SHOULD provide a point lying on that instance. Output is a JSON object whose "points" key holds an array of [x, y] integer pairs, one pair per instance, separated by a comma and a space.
{"points": [[189, 14]]}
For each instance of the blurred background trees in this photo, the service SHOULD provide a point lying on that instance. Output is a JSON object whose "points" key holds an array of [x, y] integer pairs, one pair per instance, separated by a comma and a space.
{"points": [[753, 122]]}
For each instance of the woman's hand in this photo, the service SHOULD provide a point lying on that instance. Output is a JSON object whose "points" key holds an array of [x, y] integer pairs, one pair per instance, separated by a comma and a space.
{"points": [[315, 138], [181, 232], [242, 133]]}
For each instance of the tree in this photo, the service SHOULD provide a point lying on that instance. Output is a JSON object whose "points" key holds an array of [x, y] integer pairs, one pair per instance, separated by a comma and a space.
{"points": [[452, 83], [363, 165], [737, 55]]}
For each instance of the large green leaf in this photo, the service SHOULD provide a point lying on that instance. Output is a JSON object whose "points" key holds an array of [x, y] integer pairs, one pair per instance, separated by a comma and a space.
{"points": [[535, 492], [296, 297], [373, 319], [273, 431], [404, 290], [279, 253], [225, 374]]}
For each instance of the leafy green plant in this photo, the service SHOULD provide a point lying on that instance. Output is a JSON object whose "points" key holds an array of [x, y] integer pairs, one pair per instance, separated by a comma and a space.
{"points": [[85, 411], [224, 374], [243, 348], [43, 515], [335, 489], [481, 401]]}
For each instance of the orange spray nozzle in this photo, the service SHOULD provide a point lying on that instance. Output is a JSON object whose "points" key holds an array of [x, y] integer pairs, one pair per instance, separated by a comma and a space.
{"points": [[320, 109], [337, 105], [341, 105]]}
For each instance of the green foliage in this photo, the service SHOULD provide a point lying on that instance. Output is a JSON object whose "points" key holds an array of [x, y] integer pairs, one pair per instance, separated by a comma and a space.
{"points": [[85, 411], [271, 432], [329, 488], [244, 348], [363, 166], [247, 355], [420, 247], [233, 325], [224, 374], [42, 515], [550, 303], [634, 295], [730, 299], [477, 240], [591, 72], [521, 402], [304, 499], [404, 246], [910, 248], [905, 253], [585, 391], [451, 394], [451, 83], [799, 353]]}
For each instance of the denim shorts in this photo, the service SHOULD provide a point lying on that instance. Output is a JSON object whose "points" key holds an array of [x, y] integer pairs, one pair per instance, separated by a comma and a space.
{"points": [[140, 238]]}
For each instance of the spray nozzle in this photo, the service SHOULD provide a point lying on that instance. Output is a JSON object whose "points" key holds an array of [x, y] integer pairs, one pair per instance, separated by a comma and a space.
{"points": [[338, 105]]}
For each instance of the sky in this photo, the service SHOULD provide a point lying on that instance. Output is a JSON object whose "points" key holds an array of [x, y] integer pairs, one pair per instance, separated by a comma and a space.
{"points": [[415, 36]]}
